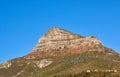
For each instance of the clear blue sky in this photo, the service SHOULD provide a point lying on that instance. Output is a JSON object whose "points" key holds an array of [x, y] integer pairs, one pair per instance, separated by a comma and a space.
{"points": [[23, 22]]}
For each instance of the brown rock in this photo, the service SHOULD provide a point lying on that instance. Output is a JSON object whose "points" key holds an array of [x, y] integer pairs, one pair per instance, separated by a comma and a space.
{"points": [[60, 39]]}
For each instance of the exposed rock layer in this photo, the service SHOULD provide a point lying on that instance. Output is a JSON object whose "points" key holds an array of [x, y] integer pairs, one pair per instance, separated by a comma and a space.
{"points": [[57, 38]]}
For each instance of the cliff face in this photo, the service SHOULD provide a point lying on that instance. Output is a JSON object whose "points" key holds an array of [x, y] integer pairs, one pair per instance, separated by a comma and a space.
{"points": [[57, 34], [57, 38], [60, 39]]}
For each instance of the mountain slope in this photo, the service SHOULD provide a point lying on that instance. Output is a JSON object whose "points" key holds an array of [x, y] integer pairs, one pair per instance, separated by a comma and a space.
{"points": [[60, 53]]}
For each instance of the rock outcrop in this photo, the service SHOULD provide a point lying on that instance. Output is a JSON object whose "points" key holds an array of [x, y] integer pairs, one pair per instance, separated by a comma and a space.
{"points": [[57, 38], [43, 63], [6, 64]]}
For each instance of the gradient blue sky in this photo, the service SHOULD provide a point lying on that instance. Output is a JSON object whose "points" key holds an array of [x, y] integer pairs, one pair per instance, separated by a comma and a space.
{"points": [[23, 22]]}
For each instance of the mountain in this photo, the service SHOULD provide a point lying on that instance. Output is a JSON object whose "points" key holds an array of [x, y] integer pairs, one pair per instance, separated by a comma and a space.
{"points": [[60, 53]]}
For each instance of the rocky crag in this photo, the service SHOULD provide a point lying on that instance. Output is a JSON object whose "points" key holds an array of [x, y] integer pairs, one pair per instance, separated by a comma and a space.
{"points": [[60, 39]]}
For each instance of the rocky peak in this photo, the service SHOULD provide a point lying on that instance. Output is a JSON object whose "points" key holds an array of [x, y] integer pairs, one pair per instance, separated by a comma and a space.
{"points": [[60, 39], [57, 34]]}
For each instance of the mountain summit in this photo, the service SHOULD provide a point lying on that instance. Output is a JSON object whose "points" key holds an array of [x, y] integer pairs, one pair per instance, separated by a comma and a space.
{"points": [[60, 53], [57, 34], [60, 39]]}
